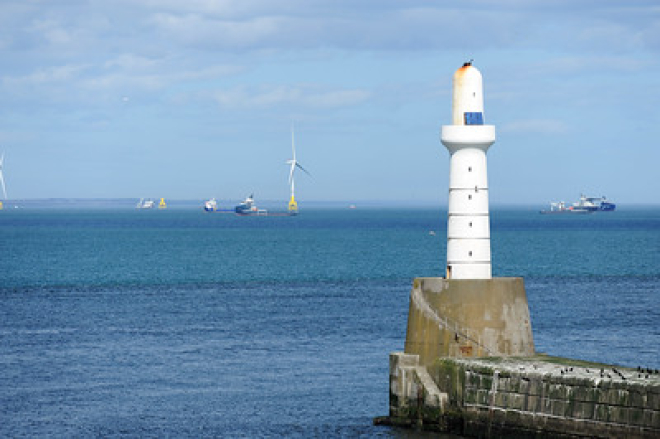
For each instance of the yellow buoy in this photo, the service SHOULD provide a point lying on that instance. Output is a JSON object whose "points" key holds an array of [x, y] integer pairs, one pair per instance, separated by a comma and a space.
{"points": [[162, 204], [1, 205]]}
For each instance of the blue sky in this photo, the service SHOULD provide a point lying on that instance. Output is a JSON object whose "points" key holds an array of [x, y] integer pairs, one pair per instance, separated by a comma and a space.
{"points": [[194, 99]]}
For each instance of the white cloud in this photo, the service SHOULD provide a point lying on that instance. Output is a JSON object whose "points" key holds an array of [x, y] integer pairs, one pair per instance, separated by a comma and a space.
{"points": [[65, 34], [535, 126], [303, 96], [126, 73], [380, 28], [219, 8], [392, 25], [651, 34], [52, 32], [239, 25], [201, 31], [587, 64], [45, 76], [121, 82], [131, 62]]}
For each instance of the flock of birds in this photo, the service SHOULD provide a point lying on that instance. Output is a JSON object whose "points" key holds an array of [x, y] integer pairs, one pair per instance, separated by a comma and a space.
{"points": [[640, 373], [614, 372]]}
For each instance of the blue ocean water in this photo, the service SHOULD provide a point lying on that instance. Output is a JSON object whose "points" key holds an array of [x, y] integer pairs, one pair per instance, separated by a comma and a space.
{"points": [[124, 322]]}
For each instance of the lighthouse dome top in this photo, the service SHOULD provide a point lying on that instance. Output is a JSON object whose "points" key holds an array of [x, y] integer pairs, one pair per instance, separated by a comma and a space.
{"points": [[468, 71], [468, 101]]}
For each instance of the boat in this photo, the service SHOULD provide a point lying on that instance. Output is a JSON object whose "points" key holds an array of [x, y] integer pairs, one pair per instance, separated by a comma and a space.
{"points": [[247, 207], [606, 205], [211, 205], [594, 204], [584, 205], [560, 207], [145, 204]]}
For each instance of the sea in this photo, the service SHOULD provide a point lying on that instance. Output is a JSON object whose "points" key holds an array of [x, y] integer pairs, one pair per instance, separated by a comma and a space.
{"points": [[119, 322]]}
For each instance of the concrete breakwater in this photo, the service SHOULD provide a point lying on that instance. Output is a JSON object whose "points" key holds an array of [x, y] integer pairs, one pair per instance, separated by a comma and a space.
{"points": [[470, 367], [534, 396]]}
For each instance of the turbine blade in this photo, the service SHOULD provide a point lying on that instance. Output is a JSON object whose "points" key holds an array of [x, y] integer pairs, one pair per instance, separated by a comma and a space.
{"points": [[293, 143], [303, 169], [4, 189], [2, 177]]}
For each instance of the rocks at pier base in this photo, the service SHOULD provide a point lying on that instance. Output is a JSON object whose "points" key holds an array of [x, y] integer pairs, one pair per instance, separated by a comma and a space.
{"points": [[534, 396]]}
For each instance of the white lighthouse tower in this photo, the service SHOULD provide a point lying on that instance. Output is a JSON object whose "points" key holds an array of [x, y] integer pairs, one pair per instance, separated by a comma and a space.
{"points": [[468, 139], [468, 313]]}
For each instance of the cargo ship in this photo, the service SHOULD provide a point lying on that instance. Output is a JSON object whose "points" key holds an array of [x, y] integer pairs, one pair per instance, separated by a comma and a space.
{"points": [[584, 205], [247, 207]]}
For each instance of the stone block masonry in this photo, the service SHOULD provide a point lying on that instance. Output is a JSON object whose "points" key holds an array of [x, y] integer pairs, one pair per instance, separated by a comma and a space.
{"points": [[534, 396]]}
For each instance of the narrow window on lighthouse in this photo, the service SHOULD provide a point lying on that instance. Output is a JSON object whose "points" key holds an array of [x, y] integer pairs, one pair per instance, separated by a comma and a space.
{"points": [[470, 253], [470, 224], [469, 197], [470, 169]]}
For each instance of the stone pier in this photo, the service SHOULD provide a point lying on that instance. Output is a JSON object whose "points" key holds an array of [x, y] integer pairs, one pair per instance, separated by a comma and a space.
{"points": [[535, 396], [469, 367]]}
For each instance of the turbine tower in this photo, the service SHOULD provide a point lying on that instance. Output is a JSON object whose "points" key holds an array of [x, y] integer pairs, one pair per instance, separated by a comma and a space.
{"points": [[468, 139], [2, 178], [293, 206]]}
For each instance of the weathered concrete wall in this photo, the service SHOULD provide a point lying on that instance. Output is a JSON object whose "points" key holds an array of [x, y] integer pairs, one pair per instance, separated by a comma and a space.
{"points": [[413, 394], [469, 368], [537, 396], [468, 318]]}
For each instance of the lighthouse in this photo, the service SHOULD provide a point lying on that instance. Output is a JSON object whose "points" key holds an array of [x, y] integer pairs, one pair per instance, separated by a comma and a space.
{"points": [[467, 139], [468, 313]]}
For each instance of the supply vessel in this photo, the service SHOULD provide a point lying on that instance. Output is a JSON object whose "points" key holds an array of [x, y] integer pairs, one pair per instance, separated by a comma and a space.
{"points": [[584, 205]]}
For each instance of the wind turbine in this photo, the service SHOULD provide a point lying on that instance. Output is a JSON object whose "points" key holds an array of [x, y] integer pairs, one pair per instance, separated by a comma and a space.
{"points": [[2, 178], [293, 206]]}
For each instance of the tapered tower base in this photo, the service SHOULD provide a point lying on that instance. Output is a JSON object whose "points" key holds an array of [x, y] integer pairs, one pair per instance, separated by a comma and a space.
{"points": [[293, 206], [468, 318]]}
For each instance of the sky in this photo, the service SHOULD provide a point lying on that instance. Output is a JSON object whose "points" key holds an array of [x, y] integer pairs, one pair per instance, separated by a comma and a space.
{"points": [[195, 99]]}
